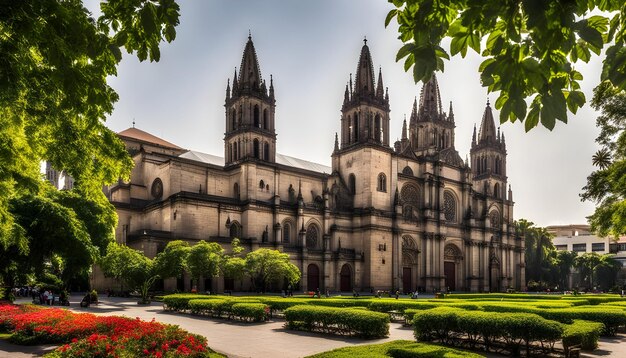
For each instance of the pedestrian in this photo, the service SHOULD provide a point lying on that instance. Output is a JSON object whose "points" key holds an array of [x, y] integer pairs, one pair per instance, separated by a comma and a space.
{"points": [[327, 293], [317, 293]]}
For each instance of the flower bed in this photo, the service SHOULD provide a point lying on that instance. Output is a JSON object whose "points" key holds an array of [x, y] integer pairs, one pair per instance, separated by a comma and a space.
{"points": [[88, 335]]}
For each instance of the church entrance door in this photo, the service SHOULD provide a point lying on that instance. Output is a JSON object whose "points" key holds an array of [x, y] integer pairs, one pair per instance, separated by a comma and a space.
{"points": [[313, 277], [345, 284], [407, 279], [449, 269]]}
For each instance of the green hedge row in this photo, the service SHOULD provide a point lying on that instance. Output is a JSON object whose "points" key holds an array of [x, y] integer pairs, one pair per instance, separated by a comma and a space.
{"points": [[596, 299], [231, 308], [511, 296], [349, 321], [397, 349], [585, 333], [180, 301], [514, 330]]}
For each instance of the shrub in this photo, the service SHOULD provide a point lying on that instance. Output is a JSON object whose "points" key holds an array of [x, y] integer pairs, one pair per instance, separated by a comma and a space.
{"points": [[180, 302], [596, 299], [396, 349], [386, 305], [203, 306], [585, 333], [254, 312], [435, 324], [339, 321], [338, 302], [281, 304]]}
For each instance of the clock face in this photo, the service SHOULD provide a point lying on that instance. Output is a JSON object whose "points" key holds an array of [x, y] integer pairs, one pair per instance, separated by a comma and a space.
{"points": [[157, 188]]}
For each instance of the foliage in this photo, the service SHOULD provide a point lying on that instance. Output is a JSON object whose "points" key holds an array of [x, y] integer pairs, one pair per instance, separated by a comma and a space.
{"points": [[52, 237], [585, 333], [265, 266], [540, 254], [131, 266], [54, 95], [529, 48], [606, 271], [88, 335], [180, 302], [586, 265], [397, 349], [349, 321], [172, 261], [605, 186], [204, 259], [253, 312]]}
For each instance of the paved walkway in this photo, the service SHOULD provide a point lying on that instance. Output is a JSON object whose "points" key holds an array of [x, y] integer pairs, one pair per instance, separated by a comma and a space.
{"points": [[269, 339]]}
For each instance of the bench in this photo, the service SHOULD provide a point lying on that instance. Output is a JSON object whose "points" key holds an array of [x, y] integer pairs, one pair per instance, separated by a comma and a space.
{"points": [[573, 351]]}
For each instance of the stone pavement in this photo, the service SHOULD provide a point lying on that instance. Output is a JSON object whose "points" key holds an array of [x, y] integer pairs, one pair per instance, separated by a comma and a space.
{"points": [[269, 339]]}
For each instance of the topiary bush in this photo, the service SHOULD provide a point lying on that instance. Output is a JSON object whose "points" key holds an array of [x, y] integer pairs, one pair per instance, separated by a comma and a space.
{"points": [[357, 322], [180, 301], [581, 332]]}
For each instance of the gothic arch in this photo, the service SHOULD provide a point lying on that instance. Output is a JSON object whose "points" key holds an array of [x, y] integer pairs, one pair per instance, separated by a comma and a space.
{"points": [[496, 187], [236, 190], [233, 118], [409, 194], [450, 207], [345, 278], [235, 229], [266, 122], [288, 231], [494, 218], [266, 151], [313, 236], [407, 170], [256, 148], [451, 252], [352, 184], [382, 182], [257, 119], [378, 125]]}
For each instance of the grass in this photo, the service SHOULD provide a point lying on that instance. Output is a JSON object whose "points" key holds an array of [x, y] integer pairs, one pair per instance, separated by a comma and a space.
{"points": [[383, 351]]}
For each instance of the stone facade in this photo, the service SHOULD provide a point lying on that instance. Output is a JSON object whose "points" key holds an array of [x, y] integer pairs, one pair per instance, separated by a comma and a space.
{"points": [[410, 216]]}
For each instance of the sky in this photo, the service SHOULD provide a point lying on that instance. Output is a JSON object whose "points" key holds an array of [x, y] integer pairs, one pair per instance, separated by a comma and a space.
{"points": [[310, 48]]}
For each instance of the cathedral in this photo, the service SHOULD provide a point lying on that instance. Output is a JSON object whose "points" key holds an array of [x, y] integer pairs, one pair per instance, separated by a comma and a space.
{"points": [[410, 215]]}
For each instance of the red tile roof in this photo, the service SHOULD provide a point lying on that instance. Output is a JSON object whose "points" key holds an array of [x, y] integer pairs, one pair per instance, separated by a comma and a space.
{"points": [[138, 134]]}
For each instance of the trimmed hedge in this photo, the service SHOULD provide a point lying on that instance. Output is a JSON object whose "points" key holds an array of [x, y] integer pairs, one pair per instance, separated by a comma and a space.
{"points": [[180, 301], [512, 329], [349, 321], [510, 296], [339, 303], [585, 333], [254, 312], [397, 349]]}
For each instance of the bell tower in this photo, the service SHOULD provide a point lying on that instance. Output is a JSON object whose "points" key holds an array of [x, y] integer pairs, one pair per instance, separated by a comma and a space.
{"points": [[488, 156], [250, 109], [365, 109]]}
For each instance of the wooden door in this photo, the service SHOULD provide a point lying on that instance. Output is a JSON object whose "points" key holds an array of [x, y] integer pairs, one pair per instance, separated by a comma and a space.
{"points": [[407, 279], [313, 277], [345, 276], [450, 272]]}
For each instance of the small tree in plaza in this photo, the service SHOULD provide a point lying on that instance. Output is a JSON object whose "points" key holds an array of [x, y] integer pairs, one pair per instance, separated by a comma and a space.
{"points": [[265, 266], [586, 265], [204, 260], [172, 261], [130, 266], [233, 265]]}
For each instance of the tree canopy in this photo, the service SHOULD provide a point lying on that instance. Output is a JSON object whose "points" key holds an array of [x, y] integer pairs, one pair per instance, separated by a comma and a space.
{"points": [[130, 266], [605, 186], [265, 266], [529, 48], [55, 60]]}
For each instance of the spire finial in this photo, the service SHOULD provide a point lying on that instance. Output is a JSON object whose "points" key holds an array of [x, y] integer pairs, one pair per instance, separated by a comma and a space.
{"points": [[249, 35], [365, 40], [133, 122], [487, 101]]}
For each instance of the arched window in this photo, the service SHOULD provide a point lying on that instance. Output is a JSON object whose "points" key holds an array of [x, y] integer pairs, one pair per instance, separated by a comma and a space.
{"points": [[257, 122], [312, 237], [235, 230], [407, 170], [235, 152], [236, 191], [352, 184], [382, 182], [409, 196], [378, 128], [286, 232], [255, 145], [449, 206], [266, 120], [356, 127], [233, 118], [266, 151], [261, 184], [496, 190], [494, 217]]}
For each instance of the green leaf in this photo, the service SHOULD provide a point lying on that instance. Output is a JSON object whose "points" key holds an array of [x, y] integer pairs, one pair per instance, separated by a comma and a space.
{"points": [[533, 118], [590, 34], [404, 51], [148, 19], [390, 16]]}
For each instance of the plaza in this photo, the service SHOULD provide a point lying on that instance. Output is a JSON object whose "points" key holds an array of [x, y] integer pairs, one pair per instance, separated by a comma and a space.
{"points": [[267, 339]]}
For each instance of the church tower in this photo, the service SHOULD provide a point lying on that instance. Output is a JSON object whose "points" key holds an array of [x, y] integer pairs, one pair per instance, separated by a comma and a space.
{"points": [[488, 156], [429, 126], [365, 109], [250, 109]]}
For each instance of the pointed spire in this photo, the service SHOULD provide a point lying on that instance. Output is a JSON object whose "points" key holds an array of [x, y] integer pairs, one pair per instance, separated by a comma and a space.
{"points": [[379, 87], [404, 130], [336, 143], [263, 88], [503, 142], [271, 87], [346, 96], [387, 94], [299, 190], [413, 119], [451, 113], [474, 135], [364, 81], [350, 83], [430, 101], [396, 197], [498, 135], [510, 193], [235, 84], [249, 71], [228, 90], [487, 133]]}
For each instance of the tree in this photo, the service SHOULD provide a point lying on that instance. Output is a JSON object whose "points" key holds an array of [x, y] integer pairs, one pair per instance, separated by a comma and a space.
{"points": [[54, 95], [539, 253], [50, 238], [605, 186], [529, 47], [172, 261], [130, 266], [204, 260], [606, 271], [233, 265], [565, 262], [265, 266], [586, 265]]}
